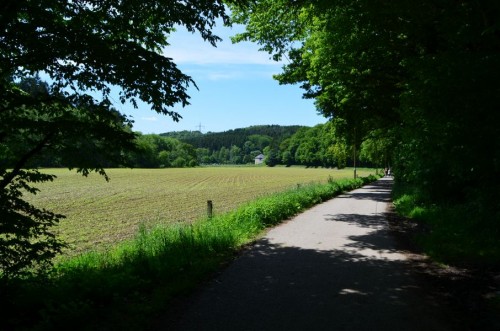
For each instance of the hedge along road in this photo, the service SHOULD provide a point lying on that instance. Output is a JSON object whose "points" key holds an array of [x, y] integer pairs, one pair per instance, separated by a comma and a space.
{"points": [[334, 267]]}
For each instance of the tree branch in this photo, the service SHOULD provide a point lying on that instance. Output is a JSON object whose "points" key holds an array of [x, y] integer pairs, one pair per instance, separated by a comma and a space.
{"points": [[24, 159]]}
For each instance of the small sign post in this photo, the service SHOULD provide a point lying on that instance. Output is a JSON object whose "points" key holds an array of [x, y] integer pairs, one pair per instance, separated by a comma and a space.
{"points": [[210, 208]]}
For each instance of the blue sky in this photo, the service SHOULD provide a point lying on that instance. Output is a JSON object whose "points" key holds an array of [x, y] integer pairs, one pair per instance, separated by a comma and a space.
{"points": [[236, 89]]}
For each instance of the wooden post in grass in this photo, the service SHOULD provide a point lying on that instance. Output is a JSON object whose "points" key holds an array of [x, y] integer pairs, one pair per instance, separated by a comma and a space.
{"points": [[210, 208]]}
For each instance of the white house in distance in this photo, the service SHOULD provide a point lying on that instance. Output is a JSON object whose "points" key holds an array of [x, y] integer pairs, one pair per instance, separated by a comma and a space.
{"points": [[259, 159]]}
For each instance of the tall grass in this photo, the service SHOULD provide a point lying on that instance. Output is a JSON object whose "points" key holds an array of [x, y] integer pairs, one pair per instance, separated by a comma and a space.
{"points": [[124, 287]]}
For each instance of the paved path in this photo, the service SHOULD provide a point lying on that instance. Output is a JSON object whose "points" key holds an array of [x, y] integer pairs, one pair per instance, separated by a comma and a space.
{"points": [[334, 267]]}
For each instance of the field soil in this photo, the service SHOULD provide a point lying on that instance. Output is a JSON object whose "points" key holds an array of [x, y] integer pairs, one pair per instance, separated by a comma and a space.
{"points": [[346, 264], [100, 214]]}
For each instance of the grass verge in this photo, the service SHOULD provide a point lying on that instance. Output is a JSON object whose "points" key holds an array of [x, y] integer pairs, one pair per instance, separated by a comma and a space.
{"points": [[126, 286]]}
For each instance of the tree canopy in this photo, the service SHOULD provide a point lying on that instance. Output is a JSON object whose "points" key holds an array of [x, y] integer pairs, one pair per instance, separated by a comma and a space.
{"points": [[88, 45], [418, 77], [84, 48]]}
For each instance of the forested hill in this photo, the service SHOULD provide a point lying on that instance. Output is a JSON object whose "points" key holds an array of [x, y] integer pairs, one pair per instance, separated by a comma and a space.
{"points": [[260, 135]]}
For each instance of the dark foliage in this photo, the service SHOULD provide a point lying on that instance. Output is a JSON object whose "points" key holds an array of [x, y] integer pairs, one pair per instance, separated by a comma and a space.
{"points": [[238, 137], [416, 81], [20, 222], [238, 146]]}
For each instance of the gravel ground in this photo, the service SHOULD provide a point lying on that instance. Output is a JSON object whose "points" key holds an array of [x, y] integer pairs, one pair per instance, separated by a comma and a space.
{"points": [[336, 266]]}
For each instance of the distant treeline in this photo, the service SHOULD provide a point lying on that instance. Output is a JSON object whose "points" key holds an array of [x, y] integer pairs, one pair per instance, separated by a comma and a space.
{"points": [[260, 135], [239, 146], [281, 145], [286, 145], [191, 148]]}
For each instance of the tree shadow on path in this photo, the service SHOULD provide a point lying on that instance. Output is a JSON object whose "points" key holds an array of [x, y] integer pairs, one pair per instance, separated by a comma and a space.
{"points": [[379, 191], [272, 287], [367, 284]]}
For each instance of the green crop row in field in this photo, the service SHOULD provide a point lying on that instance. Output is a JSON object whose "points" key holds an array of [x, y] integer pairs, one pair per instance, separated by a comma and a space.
{"points": [[100, 213]]}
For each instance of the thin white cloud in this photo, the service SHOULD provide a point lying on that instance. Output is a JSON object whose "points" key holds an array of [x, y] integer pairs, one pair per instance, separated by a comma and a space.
{"points": [[201, 55], [189, 48], [215, 76], [218, 72], [150, 119]]}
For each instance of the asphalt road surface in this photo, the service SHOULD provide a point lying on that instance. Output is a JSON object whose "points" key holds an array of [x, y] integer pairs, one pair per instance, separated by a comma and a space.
{"points": [[333, 267]]}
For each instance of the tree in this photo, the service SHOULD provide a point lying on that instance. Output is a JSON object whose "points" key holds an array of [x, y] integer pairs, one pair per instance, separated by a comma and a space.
{"points": [[312, 147], [223, 155], [156, 151], [84, 48], [271, 156], [376, 149], [418, 76], [235, 155], [337, 51], [203, 155], [47, 123], [146, 152]]}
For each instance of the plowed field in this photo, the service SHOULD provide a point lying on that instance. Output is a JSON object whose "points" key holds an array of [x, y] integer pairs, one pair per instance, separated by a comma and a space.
{"points": [[101, 213]]}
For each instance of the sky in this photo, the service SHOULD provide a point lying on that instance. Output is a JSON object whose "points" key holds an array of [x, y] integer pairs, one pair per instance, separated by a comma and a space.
{"points": [[236, 89]]}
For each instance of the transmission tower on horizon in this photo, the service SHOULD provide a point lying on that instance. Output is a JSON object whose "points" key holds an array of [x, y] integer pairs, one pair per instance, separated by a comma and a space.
{"points": [[199, 127]]}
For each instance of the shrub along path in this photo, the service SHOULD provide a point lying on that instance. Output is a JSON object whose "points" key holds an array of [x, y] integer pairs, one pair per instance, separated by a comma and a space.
{"points": [[334, 267]]}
